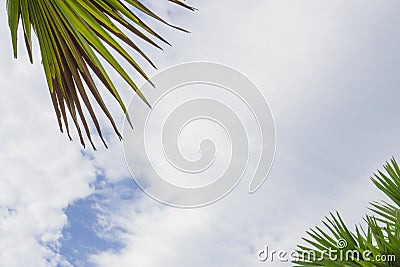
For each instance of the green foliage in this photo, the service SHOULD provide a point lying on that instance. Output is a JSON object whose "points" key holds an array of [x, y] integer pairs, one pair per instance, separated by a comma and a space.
{"points": [[72, 35], [375, 246]]}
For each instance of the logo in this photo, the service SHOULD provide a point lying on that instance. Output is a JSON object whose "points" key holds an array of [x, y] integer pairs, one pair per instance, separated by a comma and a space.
{"points": [[208, 127]]}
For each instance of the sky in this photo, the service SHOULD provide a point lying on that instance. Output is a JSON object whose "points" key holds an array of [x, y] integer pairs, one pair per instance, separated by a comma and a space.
{"points": [[329, 70]]}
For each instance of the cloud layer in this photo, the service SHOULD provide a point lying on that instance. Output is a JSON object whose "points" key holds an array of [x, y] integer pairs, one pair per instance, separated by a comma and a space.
{"points": [[329, 72]]}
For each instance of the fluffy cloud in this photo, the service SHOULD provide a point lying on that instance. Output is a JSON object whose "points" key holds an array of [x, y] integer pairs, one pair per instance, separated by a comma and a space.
{"points": [[327, 69], [41, 172]]}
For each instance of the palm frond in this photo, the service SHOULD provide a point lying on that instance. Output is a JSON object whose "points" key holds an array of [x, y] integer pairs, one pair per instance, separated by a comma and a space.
{"points": [[380, 240], [389, 183], [73, 37]]}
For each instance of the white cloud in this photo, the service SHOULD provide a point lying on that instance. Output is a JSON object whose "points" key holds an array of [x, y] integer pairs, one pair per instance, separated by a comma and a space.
{"points": [[327, 71], [41, 172]]}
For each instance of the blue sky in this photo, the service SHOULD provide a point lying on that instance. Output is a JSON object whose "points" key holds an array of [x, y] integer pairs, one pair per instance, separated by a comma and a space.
{"points": [[329, 70], [80, 236]]}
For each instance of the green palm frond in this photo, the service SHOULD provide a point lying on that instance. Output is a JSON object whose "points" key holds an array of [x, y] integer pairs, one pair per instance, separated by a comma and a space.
{"points": [[389, 183], [378, 245], [73, 37]]}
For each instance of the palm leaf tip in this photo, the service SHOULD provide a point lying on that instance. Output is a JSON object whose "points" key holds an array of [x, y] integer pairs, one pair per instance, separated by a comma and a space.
{"points": [[73, 39], [183, 4]]}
